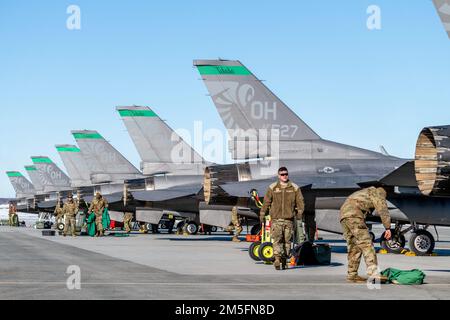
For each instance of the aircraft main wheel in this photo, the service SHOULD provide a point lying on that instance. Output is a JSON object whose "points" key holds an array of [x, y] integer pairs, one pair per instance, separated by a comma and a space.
{"points": [[256, 229], [422, 242], [395, 245], [192, 228], [253, 251], [266, 252], [213, 229], [60, 226]]}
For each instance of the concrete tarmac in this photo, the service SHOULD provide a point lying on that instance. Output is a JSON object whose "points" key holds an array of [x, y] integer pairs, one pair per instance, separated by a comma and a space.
{"points": [[191, 268]]}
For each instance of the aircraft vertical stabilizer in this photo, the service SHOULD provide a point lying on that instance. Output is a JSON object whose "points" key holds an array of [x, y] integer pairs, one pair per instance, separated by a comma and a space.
{"points": [[443, 9], [75, 165], [161, 149], [52, 178], [105, 163], [21, 185]]}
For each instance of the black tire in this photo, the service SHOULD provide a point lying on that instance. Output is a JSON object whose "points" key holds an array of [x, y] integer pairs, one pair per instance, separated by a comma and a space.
{"points": [[372, 236], [192, 228], [256, 229], [213, 229], [422, 242], [253, 251], [265, 252], [395, 245], [60, 226]]}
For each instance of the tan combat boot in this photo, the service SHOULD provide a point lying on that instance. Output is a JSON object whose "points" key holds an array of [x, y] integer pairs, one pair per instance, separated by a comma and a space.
{"points": [[356, 279], [235, 239], [277, 263]]}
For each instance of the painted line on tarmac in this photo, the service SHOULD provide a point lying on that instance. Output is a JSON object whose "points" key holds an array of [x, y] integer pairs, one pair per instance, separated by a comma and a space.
{"points": [[207, 284]]}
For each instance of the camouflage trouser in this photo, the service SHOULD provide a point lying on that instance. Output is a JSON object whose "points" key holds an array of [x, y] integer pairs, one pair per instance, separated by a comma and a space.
{"points": [[11, 220], [235, 223], [70, 223], [281, 233], [127, 221], [98, 223], [359, 243]]}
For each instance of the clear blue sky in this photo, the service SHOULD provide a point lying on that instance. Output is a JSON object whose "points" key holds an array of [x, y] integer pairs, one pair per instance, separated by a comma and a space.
{"points": [[352, 85]]}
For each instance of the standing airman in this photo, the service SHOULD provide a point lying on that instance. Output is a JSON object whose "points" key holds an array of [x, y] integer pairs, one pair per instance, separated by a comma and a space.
{"points": [[285, 201], [98, 206], [70, 210]]}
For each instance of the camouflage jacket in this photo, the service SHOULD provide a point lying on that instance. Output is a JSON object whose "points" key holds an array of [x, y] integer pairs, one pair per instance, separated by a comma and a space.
{"points": [[363, 202], [98, 206], [58, 211], [70, 209], [283, 203]]}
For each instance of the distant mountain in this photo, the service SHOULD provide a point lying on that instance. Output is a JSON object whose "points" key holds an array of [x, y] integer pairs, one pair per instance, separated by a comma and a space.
{"points": [[4, 201]]}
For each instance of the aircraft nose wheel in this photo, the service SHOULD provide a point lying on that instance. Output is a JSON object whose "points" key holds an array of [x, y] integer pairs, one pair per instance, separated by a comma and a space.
{"points": [[395, 245], [422, 242], [192, 228]]}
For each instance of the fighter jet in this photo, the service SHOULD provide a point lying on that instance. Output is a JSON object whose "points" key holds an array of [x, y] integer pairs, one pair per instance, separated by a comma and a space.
{"points": [[443, 9], [173, 168], [261, 126], [24, 189]]}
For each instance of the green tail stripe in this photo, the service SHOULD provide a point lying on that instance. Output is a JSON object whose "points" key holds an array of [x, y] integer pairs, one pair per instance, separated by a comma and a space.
{"points": [[41, 160], [30, 168], [14, 174], [137, 113], [66, 149], [80, 136], [224, 70]]}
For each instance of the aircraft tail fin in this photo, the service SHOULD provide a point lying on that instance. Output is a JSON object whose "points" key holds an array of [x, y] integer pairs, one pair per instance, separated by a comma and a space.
{"points": [[53, 179], [21, 185], [35, 178], [161, 149], [105, 163], [75, 165], [245, 104], [443, 9]]}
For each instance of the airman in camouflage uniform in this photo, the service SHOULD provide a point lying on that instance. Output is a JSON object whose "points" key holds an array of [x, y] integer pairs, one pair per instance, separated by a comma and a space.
{"points": [[59, 215], [359, 243], [11, 214], [284, 199], [98, 205], [235, 225], [70, 210], [127, 221]]}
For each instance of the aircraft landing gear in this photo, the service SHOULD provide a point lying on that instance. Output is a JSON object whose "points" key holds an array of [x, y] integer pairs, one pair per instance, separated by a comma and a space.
{"points": [[397, 242], [421, 241]]}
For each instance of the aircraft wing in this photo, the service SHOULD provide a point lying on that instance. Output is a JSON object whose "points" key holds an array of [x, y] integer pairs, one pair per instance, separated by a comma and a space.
{"points": [[47, 204], [111, 198], [166, 194]]}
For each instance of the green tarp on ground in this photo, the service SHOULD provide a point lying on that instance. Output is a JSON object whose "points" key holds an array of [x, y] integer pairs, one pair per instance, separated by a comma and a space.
{"points": [[404, 277]]}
